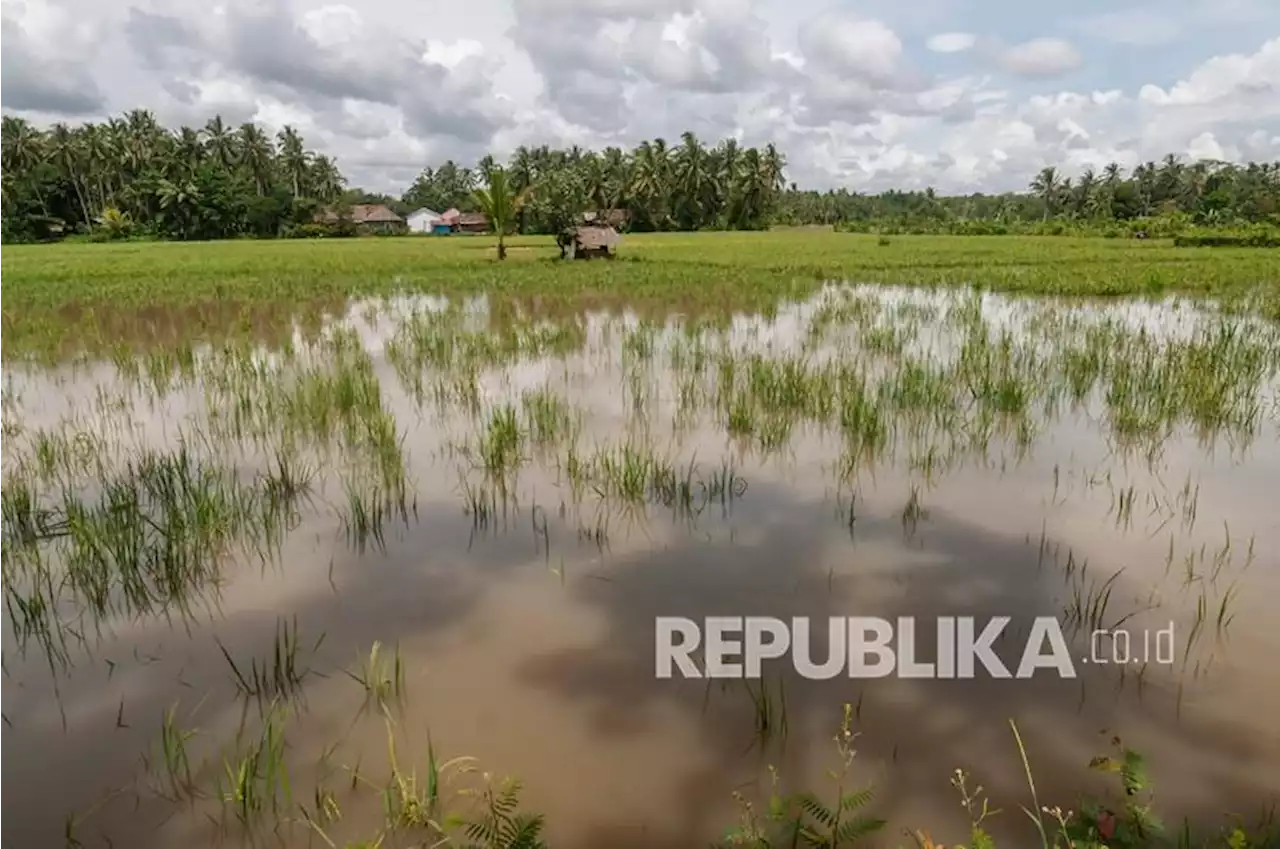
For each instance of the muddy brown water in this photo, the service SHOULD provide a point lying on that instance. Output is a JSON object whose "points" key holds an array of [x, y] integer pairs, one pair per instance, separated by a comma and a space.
{"points": [[528, 644]]}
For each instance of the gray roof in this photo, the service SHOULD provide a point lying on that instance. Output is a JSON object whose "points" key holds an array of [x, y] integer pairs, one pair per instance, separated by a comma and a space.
{"points": [[430, 213]]}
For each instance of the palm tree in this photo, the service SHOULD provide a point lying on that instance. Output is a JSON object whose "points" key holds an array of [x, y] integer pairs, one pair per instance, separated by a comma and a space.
{"points": [[221, 141], [293, 158], [256, 153], [326, 179], [500, 203], [694, 179], [1046, 187]]}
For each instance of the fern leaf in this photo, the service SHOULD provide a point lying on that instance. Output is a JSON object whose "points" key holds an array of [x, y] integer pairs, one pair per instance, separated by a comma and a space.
{"points": [[814, 807], [1134, 772], [857, 799], [527, 832], [810, 837], [858, 828]]}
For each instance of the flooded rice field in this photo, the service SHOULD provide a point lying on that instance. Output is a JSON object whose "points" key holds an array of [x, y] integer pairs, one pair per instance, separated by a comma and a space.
{"points": [[341, 589]]}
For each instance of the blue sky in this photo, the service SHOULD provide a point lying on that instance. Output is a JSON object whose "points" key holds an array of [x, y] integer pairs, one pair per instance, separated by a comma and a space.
{"points": [[962, 95]]}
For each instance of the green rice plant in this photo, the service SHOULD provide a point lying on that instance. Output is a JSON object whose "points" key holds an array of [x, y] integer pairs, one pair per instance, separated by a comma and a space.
{"points": [[174, 755], [420, 806], [547, 417], [1225, 616], [627, 472], [382, 678], [725, 485], [501, 445], [913, 512], [769, 708], [149, 539], [278, 679], [256, 781], [1087, 607]]}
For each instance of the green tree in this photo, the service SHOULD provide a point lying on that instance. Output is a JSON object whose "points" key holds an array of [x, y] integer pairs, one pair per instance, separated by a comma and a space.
{"points": [[500, 204]]}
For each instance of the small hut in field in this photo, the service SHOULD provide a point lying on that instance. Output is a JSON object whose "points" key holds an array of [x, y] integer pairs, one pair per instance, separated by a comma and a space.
{"points": [[589, 242]]}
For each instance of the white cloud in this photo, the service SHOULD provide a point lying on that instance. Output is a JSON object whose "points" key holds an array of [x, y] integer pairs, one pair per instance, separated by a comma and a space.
{"points": [[847, 46], [1041, 57], [387, 89], [1224, 77], [951, 42]]}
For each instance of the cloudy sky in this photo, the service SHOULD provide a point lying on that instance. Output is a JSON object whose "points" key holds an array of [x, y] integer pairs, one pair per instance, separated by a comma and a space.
{"points": [[959, 94]]}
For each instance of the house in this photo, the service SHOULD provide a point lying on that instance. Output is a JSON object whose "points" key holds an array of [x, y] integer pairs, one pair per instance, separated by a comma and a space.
{"points": [[472, 222], [422, 220], [450, 217], [615, 218], [367, 218], [589, 242]]}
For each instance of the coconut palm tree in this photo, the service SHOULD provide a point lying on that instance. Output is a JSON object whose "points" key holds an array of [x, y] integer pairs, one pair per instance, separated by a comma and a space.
{"points": [[1046, 186], [500, 203]]}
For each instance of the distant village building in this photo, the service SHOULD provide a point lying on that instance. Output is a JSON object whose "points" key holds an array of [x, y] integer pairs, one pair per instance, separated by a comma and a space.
{"points": [[472, 222], [453, 221], [367, 218], [422, 220]]}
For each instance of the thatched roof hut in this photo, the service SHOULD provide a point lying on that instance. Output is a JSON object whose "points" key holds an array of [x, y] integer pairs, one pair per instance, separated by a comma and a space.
{"points": [[595, 238], [588, 242]]}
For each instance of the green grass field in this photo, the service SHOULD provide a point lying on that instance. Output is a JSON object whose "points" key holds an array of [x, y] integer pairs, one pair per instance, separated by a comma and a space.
{"points": [[54, 294], [655, 263]]}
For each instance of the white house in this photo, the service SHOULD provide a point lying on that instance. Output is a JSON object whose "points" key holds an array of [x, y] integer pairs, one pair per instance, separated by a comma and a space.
{"points": [[422, 220]]}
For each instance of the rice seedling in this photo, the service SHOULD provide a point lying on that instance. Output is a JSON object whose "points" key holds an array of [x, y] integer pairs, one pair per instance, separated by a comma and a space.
{"points": [[1088, 605], [420, 806], [365, 518], [174, 755], [769, 709], [257, 781], [547, 417], [278, 679], [913, 513], [382, 678], [500, 448], [1225, 616], [151, 542]]}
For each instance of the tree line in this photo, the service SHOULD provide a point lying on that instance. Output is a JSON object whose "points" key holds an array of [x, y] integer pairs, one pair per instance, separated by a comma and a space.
{"points": [[1166, 195], [131, 176]]}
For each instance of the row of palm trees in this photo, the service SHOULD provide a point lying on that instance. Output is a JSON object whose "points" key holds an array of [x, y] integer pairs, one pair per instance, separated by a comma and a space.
{"points": [[133, 166], [1210, 189], [1210, 193], [219, 181], [687, 187]]}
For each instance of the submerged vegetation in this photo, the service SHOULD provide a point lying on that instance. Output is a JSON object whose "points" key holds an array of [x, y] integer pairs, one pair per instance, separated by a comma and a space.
{"points": [[169, 487]]}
